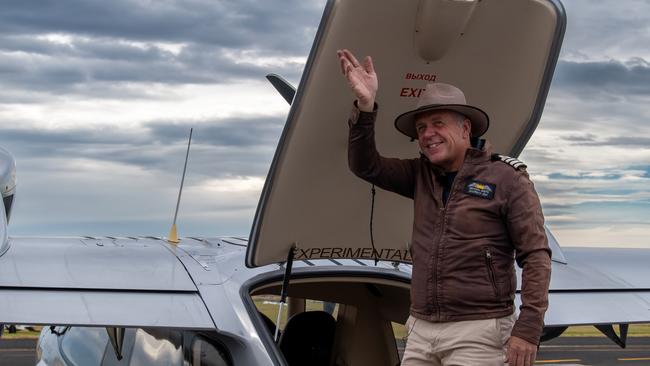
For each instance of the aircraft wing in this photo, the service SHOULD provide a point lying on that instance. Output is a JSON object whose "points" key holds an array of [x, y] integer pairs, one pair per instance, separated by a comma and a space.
{"points": [[600, 286], [127, 282]]}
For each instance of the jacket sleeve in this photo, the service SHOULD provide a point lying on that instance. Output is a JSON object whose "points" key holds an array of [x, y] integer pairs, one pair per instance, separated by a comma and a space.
{"points": [[526, 229], [395, 175]]}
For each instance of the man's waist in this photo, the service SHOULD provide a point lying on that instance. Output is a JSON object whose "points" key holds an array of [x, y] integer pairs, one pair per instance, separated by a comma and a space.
{"points": [[443, 316]]}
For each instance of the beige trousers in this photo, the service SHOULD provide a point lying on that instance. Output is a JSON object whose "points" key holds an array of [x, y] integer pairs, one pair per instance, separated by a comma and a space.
{"points": [[462, 343]]}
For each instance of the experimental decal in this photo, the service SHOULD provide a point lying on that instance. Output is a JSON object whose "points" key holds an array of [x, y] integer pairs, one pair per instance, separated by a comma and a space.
{"points": [[389, 254]]}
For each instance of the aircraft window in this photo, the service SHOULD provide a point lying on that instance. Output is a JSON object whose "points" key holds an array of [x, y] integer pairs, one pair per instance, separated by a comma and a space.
{"points": [[84, 346], [330, 307], [268, 306], [400, 333], [205, 353], [157, 347]]}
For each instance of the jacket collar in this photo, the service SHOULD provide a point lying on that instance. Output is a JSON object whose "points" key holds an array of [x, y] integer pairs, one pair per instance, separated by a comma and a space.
{"points": [[476, 156]]}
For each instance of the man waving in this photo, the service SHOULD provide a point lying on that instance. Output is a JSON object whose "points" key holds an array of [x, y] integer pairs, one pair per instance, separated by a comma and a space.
{"points": [[474, 213]]}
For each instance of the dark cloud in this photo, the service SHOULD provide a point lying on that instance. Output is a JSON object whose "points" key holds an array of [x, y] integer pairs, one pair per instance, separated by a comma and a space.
{"points": [[65, 137], [231, 132], [562, 176], [612, 79], [227, 147], [557, 206], [631, 141], [580, 138], [553, 209], [97, 48], [624, 141], [538, 156], [121, 43], [106, 65], [644, 168], [236, 23]]}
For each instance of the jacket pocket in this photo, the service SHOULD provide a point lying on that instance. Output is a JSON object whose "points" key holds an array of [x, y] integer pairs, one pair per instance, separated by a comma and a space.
{"points": [[489, 264]]}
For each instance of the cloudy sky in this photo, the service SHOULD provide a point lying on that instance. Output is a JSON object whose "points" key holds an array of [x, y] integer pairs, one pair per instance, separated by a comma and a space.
{"points": [[98, 97]]}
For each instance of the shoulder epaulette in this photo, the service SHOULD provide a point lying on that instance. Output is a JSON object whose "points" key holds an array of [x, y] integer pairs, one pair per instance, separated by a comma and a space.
{"points": [[515, 163]]}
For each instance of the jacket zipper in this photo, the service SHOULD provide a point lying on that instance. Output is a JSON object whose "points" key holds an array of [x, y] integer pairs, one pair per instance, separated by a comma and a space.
{"points": [[490, 268], [435, 305]]}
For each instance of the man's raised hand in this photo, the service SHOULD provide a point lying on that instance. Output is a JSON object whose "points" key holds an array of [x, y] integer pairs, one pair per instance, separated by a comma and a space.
{"points": [[361, 79]]}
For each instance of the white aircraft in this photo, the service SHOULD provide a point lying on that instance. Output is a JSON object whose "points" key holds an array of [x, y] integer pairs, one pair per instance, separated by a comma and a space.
{"points": [[146, 301]]}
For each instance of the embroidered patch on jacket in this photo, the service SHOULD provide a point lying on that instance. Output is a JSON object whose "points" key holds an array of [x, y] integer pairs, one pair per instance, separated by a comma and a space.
{"points": [[480, 189]]}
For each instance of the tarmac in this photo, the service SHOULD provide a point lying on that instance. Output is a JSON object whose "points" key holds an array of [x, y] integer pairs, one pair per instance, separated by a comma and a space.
{"points": [[593, 351], [17, 352]]}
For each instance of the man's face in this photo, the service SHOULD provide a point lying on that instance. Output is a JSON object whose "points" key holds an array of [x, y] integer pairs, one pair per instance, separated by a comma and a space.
{"points": [[443, 137]]}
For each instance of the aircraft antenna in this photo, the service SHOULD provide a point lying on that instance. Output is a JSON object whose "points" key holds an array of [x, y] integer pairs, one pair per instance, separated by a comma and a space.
{"points": [[173, 236]]}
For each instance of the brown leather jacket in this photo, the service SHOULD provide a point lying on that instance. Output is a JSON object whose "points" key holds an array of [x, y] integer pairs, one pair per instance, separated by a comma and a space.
{"points": [[463, 252]]}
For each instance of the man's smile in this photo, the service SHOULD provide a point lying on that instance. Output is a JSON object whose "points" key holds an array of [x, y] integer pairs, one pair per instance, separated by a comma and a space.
{"points": [[433, 145]]}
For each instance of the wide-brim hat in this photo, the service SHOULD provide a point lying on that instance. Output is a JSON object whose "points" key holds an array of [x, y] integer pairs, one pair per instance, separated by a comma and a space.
{"points": [[441, 96]]}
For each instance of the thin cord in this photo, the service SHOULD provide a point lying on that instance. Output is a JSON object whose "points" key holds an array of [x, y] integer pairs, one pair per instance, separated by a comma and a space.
{"points": [[372, 214]]}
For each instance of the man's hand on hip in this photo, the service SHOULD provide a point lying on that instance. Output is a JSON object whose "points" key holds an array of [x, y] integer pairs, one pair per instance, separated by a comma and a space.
{"points": [[361, 78], [520, 352]]}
